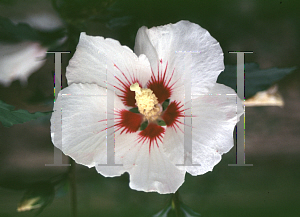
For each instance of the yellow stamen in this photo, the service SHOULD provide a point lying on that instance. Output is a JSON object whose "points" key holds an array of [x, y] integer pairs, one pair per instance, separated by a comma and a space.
{"points": [[146, 102]]}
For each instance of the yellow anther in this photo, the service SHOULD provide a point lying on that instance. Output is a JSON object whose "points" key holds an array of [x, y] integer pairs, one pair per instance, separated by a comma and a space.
{"points": [[146, 102], [136, 87]]}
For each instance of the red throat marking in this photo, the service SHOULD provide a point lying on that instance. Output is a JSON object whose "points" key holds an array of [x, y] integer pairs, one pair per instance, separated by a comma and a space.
{"points": [[127, 96], [160, 85], [171, 115], [128, 121], [151, 134]]}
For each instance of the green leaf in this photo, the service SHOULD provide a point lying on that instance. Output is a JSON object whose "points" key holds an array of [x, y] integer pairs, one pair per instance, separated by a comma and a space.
{"points": [[164, 212], [144, 125], [134, 110], [188, 212], [183, 211], [9, 116], [77, 12], [13, 33], [62, 186], [161, 123], [165, 104], [256, 79], [119, 22], [176, 208]]}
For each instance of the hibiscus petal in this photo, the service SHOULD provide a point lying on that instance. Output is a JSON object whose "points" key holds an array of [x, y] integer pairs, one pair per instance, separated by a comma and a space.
{"points": [[82, 111], [96, 56], [147, 164], [152, 171], [174, 144], [171, 42], [214, 116], [143, 45]]}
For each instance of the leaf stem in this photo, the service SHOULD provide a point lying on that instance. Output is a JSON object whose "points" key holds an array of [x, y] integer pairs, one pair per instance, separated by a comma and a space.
{"points": [[176, 204], [73, 192]]}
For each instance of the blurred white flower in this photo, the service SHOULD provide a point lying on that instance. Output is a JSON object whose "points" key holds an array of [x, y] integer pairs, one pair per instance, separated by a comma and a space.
{"points": [[149, 155], [19, 61]]}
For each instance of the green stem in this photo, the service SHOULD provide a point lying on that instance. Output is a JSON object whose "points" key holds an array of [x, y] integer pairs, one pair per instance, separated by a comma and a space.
{"points": [[176, 204], [73, 192]]}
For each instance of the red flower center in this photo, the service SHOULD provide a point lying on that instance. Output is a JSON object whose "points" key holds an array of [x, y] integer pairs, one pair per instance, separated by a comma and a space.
{"points": [[130, 122]]}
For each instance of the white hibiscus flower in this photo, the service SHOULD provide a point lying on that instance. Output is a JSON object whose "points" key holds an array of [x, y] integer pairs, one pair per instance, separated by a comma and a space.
{"points": [[151, 80]]}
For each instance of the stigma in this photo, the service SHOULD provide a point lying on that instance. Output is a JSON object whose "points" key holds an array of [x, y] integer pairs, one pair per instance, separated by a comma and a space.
{"points": [[146, 102]]}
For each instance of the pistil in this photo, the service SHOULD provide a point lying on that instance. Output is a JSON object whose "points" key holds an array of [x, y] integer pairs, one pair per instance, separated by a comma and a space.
{"points": [[146, 102]]}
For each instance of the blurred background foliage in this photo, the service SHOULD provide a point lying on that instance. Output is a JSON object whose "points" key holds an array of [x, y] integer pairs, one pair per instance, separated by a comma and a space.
{"points": [[271, 29]]}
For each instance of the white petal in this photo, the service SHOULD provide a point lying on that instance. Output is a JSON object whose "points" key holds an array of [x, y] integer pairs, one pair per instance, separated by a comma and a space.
{"points": [[82, 111], [123, 144], [19, 61], [172, 42], [96, 56], [214, 116], [143, 45], [149, 171], [153, 171], [174, 144]]}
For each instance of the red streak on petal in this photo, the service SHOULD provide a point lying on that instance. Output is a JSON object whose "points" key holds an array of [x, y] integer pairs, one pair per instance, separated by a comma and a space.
{"points": [[127, 96], [172, 114], [128, 121], [150, 134], [160, 85]]}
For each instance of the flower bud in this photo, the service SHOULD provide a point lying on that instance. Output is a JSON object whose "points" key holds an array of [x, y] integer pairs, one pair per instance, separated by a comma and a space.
{"points": [[38, 196]]}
